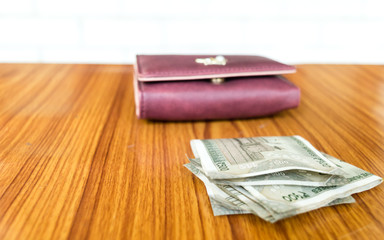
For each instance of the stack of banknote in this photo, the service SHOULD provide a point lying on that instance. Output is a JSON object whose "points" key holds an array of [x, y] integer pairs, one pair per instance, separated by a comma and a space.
{"points": [[273, 177]]}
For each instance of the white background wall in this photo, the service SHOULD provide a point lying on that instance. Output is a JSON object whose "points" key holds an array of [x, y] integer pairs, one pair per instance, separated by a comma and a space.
{"points": [[113, 31]]}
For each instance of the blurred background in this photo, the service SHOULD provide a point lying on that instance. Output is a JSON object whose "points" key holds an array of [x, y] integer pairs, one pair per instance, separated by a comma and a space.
{"points": [[114, 31]]}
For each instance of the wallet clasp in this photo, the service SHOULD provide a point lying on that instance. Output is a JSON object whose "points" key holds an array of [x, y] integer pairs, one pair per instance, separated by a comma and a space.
{"points": [[217, 80]]}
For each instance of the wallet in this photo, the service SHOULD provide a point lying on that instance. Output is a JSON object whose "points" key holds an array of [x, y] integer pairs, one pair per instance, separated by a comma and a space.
{"points": [[203, 87]]}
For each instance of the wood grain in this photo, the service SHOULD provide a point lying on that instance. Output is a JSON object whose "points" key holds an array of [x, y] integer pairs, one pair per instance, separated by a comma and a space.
{"points": [[75, 163]]}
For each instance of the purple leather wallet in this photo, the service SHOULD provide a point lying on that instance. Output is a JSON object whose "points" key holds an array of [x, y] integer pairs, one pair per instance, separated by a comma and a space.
{"points": [[202, 87]]}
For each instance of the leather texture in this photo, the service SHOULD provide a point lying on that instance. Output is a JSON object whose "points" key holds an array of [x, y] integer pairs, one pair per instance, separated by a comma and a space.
{"points": [[244, 97], [184, 67]]}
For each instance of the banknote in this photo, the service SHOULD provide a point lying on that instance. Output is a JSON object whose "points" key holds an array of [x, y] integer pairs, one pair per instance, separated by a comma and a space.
{"points": [[290, 177], [226, 200], [220, 201], [284, 200], [219, 209], [253, 206], [222, 196], [248, 157], [230, 200]]}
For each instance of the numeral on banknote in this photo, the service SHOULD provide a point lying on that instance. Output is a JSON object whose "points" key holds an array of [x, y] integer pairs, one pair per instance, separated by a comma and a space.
{"points": [[295, 196]]}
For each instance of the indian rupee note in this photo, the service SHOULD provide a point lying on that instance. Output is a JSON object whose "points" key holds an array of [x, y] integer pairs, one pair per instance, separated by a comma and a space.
{"points": [[248, 157], [285, 200], [290, 177], [222, 197]]}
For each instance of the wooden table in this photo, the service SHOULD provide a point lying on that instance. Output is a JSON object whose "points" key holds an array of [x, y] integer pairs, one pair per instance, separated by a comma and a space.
{"points": [[76, 163]]}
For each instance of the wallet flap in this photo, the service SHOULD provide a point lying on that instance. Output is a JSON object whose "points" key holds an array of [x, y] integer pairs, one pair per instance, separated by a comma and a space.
{"points": [[193, 67]]}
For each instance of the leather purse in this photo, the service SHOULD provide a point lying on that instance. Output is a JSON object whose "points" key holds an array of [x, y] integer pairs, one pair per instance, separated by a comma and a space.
{"points": [[202, 87]]}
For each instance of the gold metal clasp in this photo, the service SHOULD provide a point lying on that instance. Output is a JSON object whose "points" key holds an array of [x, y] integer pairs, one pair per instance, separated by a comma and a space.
{"points": [[217, 80], [218, 60]]}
